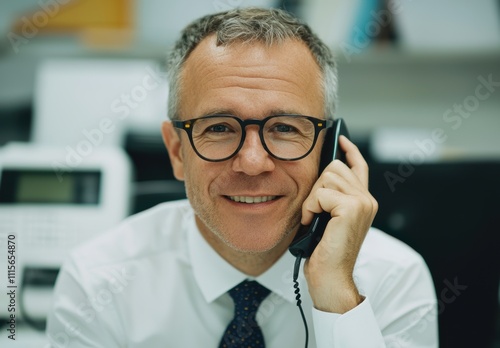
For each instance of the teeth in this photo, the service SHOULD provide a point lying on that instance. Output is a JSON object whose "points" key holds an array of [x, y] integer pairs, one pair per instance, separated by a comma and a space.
{"points": [[247, 199]]}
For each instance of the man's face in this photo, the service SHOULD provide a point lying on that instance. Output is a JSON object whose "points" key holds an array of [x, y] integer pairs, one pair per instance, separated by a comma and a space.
{"points": [[248, 81]]}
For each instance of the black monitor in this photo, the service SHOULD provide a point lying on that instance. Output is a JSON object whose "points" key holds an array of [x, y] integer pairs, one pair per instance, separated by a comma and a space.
{"points": [[450, 214]]}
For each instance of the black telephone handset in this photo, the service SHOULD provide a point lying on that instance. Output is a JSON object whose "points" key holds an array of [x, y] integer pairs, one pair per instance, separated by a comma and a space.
{"points": [[309, 236]]}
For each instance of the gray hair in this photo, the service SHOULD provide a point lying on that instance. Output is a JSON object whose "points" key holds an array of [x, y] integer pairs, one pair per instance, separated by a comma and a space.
{"points": [[269, 26]]}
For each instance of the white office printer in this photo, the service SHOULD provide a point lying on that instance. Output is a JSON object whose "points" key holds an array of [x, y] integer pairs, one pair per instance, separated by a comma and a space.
{"points": [[52, 199]]}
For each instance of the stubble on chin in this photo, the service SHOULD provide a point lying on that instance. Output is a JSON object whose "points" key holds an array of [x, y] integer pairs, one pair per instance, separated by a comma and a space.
{"points": [[244, 238], [223, 235]]}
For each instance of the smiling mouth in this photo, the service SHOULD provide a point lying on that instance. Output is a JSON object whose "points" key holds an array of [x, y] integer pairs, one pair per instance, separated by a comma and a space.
{"points": [[252, 200]]}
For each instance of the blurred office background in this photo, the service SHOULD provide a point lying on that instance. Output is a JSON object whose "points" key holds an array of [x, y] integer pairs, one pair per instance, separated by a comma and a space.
{"points": [[419, 90]]}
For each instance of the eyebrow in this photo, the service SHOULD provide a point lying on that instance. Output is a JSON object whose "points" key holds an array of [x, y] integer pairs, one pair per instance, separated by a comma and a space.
{"points": [[233, 113]]}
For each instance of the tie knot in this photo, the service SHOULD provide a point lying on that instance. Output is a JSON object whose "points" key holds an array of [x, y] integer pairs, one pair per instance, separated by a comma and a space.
{"points": [[247, 296]]}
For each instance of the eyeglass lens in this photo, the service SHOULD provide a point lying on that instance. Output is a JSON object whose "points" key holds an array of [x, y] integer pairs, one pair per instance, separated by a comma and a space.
{"points": [[285, 137]]}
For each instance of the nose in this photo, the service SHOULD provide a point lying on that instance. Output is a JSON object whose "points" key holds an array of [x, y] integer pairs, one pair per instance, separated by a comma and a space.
{"points": [[253, 159]]}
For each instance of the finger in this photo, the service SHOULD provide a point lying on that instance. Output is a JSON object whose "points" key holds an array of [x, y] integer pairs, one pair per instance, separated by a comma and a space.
{"points": [[340, 169], [312, 205], [337, 179], [355, 160], [347, 183], [334, 202]]}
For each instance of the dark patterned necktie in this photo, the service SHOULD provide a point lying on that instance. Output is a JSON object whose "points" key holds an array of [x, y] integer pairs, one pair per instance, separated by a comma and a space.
{"points": [[243, 330]]}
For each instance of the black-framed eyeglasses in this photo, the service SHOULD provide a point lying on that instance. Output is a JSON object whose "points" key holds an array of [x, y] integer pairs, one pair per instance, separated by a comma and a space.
{"points": [[286, 137]]}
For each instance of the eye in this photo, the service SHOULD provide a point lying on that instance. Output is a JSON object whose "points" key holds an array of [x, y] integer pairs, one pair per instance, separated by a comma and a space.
{"points": [[218, 128], [284, 128]]}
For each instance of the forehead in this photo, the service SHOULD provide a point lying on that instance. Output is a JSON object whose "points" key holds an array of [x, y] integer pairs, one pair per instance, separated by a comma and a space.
{"points": [[250, 80]]}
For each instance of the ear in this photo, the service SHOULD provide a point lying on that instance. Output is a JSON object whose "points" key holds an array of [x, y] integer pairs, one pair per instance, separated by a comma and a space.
{"points": [[172, 141]]}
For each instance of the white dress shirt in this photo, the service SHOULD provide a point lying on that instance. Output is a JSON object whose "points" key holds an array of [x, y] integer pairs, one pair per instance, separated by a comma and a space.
{"points": [[155, 282]]}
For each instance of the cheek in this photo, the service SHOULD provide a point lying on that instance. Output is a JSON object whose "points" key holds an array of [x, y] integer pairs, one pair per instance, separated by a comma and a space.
{"points": [[198, 177], [191, 163], [312, 165], [307, 181], [309, 176]]}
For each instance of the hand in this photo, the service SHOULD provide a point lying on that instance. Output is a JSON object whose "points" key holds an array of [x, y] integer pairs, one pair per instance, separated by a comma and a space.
{"points": [[342, 190]]}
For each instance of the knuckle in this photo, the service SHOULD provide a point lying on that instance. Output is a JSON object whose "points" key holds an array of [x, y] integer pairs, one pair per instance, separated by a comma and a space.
{"points": [[374, 205], [329, 178], [364, 166]]}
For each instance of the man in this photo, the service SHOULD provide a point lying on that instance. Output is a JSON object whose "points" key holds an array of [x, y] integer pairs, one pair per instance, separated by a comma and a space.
{"points": [[249, 90]]}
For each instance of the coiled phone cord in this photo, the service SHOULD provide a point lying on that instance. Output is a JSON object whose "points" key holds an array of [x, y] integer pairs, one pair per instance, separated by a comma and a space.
{"points": [[297, 293]]}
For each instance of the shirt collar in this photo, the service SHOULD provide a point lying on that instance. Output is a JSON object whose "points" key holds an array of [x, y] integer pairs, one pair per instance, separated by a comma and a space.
{"points": [[215, 276]]}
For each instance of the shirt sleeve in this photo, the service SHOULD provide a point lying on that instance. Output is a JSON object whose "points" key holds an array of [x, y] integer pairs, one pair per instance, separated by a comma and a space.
{"points": [[79, 318], [401, 313], [356, 328]]}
